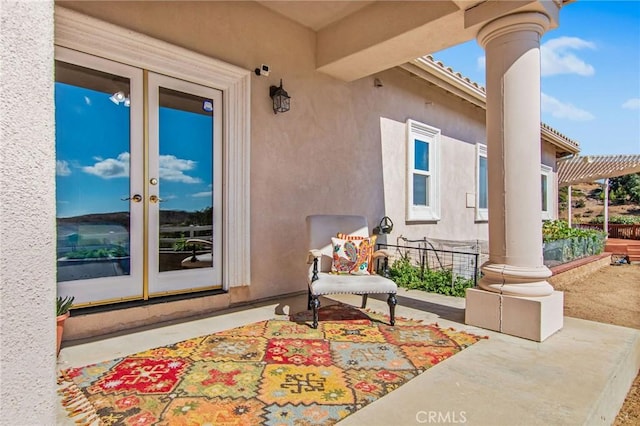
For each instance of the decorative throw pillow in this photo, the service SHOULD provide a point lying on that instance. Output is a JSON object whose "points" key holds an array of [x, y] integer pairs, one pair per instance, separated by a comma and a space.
{"points": [[351, 256], [372, 239]]}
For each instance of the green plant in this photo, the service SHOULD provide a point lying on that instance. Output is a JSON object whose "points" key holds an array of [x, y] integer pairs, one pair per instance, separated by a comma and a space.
{"points": [[625, 188], [63, 304], [553, 230], [181, 243], [563, 243], [621, 220], [100, 253], [410, 276]]}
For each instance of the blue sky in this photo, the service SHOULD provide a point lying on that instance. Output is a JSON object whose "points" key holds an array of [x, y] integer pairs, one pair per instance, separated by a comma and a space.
{"points": [[590, 74], [93, 155]]}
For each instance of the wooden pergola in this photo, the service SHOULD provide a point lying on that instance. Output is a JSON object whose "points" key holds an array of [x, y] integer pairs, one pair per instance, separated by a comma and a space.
{"points": [[590, 168]]}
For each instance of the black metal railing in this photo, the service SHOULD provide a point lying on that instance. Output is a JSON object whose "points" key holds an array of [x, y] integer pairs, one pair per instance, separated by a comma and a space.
{"points": [[426, 257]]}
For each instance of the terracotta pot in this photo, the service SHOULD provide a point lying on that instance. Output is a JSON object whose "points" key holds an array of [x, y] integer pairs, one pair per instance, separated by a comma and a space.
{"points": [[60, 329]]}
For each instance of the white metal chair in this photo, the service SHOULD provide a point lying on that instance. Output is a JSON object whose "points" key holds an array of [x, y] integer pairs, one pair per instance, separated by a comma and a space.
{"points": [[320, 230]]}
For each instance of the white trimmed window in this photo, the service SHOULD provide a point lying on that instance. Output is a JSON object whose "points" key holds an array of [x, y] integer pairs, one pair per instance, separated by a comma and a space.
{"points": [[482, 184], [482, 193], [423, 186], [548, 193]]}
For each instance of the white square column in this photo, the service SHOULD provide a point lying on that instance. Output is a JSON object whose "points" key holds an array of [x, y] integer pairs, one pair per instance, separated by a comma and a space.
{"points": [[533, 318]]}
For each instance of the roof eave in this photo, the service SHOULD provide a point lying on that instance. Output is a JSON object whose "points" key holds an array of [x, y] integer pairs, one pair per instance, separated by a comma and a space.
{"points": [[566, 145], [455, 83], [447, 80]]}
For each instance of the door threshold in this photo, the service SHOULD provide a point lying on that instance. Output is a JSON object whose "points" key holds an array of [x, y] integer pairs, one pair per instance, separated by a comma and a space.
{"points": [[138, 303]]}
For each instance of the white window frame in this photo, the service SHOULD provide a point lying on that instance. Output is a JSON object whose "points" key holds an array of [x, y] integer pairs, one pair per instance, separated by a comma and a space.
{"points": [[550, 212], [76, 31], [482, 214], [432, 136]]}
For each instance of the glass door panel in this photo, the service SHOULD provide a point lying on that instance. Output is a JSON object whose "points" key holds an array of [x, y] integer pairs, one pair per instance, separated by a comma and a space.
{"points": [[185, 188], [98, 193]]}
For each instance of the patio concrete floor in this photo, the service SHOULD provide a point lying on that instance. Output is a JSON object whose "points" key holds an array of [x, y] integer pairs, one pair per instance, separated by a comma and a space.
{"points": [[579, 376]]}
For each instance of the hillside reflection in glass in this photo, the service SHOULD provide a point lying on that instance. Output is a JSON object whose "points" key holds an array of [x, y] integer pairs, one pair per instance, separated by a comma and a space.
{"points": [[92, 174], [186, 181]]}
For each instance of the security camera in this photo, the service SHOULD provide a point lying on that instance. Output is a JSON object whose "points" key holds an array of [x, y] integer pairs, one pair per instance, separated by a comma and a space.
{"points": [[263, 70]]}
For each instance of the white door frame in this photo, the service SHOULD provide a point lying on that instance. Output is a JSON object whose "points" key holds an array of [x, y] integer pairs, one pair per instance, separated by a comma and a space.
{"points": [[123, 287], [186, 279], [86, 34]]}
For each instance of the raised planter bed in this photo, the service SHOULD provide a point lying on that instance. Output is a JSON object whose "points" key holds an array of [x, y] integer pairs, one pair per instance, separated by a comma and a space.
{"points": [[565, 250]]}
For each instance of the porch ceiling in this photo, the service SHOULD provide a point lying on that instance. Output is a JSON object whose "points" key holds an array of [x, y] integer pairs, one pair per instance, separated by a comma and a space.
{"points": [[315, 14], [360, 38]]}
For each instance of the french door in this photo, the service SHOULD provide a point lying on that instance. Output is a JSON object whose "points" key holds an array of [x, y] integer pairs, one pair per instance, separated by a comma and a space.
{"points": [[139, 182], [185, 196]]}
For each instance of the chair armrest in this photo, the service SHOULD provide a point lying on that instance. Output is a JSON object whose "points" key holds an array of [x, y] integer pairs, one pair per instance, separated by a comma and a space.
{"points": [[313, 254], [384, 253], [313, 257], [381, 253], [198, 240]]}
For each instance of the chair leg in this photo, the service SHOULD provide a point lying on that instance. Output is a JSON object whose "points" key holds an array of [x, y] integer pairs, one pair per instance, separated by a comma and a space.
{"points": [[391, 301], [309, 299], [315, 304], [364, 300]]}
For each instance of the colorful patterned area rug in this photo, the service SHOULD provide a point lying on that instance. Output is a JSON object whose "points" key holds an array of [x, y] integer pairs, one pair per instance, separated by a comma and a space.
{"points": [[275, 372]]}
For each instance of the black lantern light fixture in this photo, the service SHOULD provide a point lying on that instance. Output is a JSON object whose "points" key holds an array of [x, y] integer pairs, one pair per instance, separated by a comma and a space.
{"points": [[281, 99], [384, 227]]}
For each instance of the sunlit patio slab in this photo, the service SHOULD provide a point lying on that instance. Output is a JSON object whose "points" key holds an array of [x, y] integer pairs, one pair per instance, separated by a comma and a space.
{"points": [[578, 376]]}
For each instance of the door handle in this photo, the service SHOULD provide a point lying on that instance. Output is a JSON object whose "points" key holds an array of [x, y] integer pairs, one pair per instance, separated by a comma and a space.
{"points": [[155, 199], [136, 198]]}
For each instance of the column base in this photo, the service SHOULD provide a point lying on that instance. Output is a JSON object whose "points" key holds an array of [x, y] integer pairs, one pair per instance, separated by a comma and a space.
{"points": [[533, 318]]}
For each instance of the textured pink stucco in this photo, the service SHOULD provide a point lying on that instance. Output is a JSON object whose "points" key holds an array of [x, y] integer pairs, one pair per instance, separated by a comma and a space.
{"points": [[27, 215]]}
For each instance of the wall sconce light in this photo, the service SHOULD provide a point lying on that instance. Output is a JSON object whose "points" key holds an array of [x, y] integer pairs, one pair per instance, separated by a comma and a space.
{"points": [[281, 99], [385, 226]]}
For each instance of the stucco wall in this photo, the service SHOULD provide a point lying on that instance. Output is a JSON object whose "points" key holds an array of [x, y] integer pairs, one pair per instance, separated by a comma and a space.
{"points": [[27, 215], [457, 179], [548, 155], [325, 155]]}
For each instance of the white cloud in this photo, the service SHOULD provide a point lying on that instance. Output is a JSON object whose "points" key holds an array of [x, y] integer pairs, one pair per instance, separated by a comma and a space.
{"points": [[202, 194], [481, 62], [87, 100], [557, 58], [62, 168], [110, 168], [172, 169], [559, 109], [633, 103]]}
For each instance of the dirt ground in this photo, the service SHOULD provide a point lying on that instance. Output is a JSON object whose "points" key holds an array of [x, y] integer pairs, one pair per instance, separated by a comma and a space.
{"points": [[610, 295]]}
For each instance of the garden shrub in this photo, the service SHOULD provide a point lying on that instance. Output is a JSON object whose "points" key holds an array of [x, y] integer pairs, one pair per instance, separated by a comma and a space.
{"points": [[410, 276], [101, 253], [620, 220]]}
